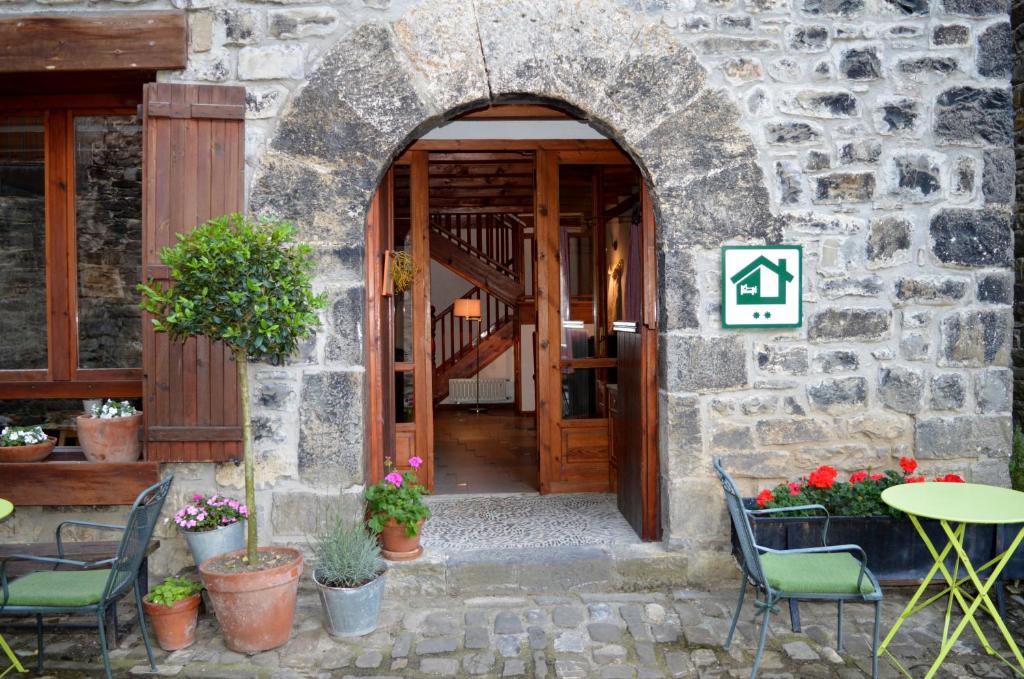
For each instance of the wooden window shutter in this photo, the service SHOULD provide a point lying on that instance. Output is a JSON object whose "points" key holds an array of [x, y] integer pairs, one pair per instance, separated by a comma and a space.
{"points": [[193, 170]]}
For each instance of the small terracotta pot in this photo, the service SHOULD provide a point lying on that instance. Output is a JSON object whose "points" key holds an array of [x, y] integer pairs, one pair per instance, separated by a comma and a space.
{"points": [[255, 609], [32, 453], [174, 625], [112, 440], [396, 545]]}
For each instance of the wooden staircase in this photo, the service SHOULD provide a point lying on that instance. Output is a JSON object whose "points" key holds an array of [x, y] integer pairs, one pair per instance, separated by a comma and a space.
{"points": [[486, 250]]}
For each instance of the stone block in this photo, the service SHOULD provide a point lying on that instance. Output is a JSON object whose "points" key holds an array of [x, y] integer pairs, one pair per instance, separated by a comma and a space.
{"points": [[861, 151], [778, 358], [995, 288], [241, 25], [927, 70], [938, 438], [951, 35], [844, 187], [860, 63], [974, 115], [303, 513], [742, 69], [789, 183], [694, 507], [915, 346], [702, 364], [200, 31], [832, 8], [947, 391], [681, 431], [732, 437], [815, 160], [932, 290], [822, 223], [331, 429], [808, 38], [346, 341], [901, 389], [993, 390], [878, 425], [888, 242], [820, 104], [786, 70], [853, 286], [837, 395], [975, 339], [270, 63], [995, 51], [976, 8], [791, 133], [967, 237], [782, 431], [264, 101], [914, 176], [997, 176], [849, 324], [963, 177], [897, 116], [301, 22], [679, 298]]}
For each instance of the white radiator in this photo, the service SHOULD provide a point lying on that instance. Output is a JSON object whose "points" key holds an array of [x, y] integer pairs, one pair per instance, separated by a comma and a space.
{"points": [[492, 390]]}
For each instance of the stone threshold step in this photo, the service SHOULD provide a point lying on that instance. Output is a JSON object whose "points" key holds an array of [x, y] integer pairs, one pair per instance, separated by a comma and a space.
{"points": [[539, 570]]}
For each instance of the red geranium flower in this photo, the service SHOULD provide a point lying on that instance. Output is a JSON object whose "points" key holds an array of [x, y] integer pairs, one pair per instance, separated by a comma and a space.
{"points": [[915, 479], [823, 477], [795, 488], [857, 477], [764, 497], [909, 464], [877, 477], [951, 478]]}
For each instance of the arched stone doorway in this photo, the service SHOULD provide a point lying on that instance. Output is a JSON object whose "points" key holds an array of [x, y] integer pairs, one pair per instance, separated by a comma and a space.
{"points": [[385, 84]]}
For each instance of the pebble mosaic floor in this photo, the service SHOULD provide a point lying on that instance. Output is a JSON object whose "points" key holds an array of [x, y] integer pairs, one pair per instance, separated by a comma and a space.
{"points": [[461, 523]]}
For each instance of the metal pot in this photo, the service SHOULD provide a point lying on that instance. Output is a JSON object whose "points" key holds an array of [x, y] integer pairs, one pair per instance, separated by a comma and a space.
{"points": [[351, 611], [208, 543]]}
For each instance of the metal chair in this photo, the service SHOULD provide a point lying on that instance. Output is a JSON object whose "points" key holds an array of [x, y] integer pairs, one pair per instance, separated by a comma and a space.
{"points": [[826, 573], [49, 592]]}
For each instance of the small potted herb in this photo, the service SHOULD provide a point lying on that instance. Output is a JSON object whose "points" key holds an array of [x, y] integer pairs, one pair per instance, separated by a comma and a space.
{"points": [[212, 525], [173, 608], [349, 575], [110, 432], [397, 512], [25, 444]]}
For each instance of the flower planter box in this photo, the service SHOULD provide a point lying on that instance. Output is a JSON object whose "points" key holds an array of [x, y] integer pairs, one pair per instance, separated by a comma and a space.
{"points": [[895, 552]]}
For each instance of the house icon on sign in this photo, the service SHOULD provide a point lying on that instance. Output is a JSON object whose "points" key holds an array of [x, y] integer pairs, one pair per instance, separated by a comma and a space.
{"points": [[756, 281]]}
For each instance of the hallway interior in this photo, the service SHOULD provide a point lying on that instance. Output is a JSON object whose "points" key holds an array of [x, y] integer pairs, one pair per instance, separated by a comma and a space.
{"points": [[490, 452]]}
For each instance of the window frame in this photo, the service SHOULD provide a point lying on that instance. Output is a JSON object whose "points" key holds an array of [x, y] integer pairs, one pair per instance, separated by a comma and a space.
{"points": [[63, 378]]}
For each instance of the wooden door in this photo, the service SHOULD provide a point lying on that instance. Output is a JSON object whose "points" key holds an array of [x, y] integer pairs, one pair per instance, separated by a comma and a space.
{"points": [[400, 362]]}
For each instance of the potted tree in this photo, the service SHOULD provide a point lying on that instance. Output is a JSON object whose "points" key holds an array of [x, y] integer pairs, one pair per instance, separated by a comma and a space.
{"points": [[397, 512], [110, 432], [349, 576], [212, 525], [25, 444], [246, 283], [173, 608]]}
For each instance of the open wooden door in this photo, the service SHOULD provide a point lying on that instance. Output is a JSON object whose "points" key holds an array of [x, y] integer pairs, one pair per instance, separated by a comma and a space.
{"points": [[400, 362]]}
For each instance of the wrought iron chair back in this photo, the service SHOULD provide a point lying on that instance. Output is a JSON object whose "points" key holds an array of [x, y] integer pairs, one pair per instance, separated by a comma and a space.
{"points": [[138, 531], [750, 560]]}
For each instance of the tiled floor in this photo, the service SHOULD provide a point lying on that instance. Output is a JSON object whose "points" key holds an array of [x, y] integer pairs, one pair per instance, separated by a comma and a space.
{"points": [[492, 452], [461, 523]]}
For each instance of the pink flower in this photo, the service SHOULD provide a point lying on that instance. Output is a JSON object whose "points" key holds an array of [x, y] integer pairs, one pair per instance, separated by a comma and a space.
{"points": [[201, 516], [415, 461], [395, 479], [197, 497], [243, 510]]}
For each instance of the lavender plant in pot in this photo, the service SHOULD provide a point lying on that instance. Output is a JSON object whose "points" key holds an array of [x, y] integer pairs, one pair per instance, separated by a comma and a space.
{"points": [[246, 283], [349, 575]]}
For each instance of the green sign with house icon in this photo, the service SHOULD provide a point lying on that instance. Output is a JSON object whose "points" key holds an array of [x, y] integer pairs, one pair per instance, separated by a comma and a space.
{"points": [[762, 286]]}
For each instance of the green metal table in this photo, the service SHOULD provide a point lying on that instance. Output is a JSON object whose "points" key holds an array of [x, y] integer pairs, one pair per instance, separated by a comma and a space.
{"points": [[955, 506], [5, 509]]}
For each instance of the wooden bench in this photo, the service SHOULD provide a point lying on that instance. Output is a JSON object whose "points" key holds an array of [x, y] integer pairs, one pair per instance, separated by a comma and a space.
{"points": [[79, 551]]}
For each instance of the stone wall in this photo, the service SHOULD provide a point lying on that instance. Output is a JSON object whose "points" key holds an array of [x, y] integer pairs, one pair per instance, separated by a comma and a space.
{"points": [[1017, 19], [877, 134]]}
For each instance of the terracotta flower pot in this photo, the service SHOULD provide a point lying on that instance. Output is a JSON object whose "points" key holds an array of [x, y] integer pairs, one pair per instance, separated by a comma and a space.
{"points": [[30, 453], [255, 609], [396, 545], [112, 440], [174, 625]]}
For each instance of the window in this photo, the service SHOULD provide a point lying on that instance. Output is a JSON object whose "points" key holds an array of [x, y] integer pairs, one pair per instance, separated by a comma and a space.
{"points": [[70, 253]]}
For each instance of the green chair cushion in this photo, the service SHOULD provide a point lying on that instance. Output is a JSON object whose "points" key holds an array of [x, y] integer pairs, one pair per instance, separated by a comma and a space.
{"points": [[58, 588], [815, 573]]}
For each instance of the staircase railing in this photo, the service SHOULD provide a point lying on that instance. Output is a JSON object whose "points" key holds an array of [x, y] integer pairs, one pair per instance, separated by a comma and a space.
{"points": [[454, 336], [495, 238]]}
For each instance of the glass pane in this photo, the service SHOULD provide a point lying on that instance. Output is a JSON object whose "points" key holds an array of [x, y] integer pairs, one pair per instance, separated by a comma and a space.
{"points": [[404, 397], [402, 321], [620, 188], [23, 244], [108, 220], [579, 393], [576, 258]]}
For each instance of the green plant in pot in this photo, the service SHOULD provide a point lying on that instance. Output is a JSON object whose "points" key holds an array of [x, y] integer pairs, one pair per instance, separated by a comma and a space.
{"points": [[173, 609], [246, 283], [349, 575]]}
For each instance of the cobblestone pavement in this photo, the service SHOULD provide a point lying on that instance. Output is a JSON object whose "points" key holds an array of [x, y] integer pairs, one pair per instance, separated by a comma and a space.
{"points": [[609, 635]]}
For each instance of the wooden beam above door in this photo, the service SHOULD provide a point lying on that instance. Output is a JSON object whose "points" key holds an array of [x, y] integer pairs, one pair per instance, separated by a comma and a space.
{"points": [[93, 41]]}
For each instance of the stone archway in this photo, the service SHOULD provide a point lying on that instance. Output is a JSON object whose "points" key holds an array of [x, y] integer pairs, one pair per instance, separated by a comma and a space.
{"points": [[383, 85]]}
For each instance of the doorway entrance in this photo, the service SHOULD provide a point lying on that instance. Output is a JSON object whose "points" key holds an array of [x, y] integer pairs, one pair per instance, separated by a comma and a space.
{"points": [[550, 245]]}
